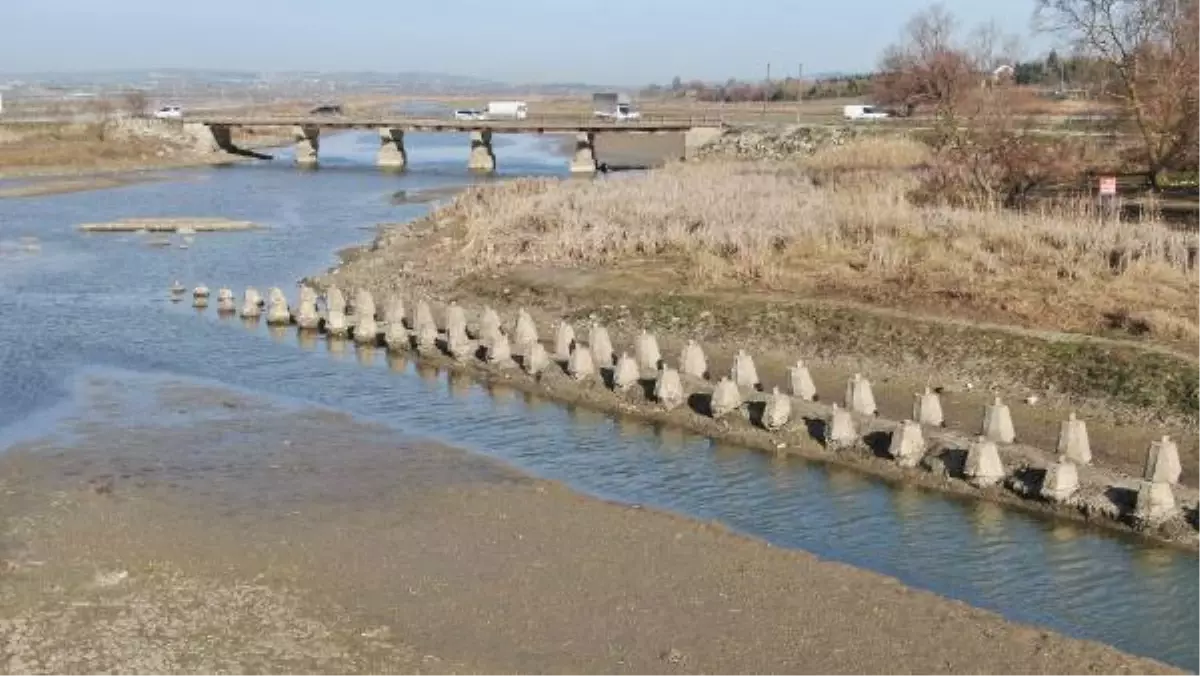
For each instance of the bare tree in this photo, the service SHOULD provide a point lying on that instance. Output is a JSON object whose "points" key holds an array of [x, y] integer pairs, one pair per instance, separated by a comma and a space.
{"points": [[135, 102], [1152, 46], [928, 67]]}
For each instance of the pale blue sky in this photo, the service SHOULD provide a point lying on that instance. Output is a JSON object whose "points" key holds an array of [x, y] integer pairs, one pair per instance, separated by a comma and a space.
{"points": [[601, 41]]}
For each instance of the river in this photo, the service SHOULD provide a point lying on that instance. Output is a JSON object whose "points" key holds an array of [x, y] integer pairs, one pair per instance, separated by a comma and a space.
{"points": [[86, 302]]}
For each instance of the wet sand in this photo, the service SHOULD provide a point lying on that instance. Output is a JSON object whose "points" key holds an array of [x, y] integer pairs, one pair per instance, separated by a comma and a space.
{"points": [[221, 532]]}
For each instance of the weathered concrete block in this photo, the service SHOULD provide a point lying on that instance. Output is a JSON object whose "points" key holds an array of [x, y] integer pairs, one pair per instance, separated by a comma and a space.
{"points": [[859, 396], [692, 361], [997, 423], [645, 350], [200, 297], [564, 340], [499, 352], [1162, 462], [364, 304], [1155, 503], [725, 398], [336, 325], [580, 365], [456, 320], [423, 317], [489, 325], [425, 333], [225, 302], [396, 337], [335, 300], [927, 408], [278, 313], [177, 288], [983, 467], [525, 332], [743, 373], [393, 310], [601, 345], [307, 317], [801, 382], [668, 389], [366, 330], [1073, 441], [251, 303], [536, 359], [1060, 481], [839, 428], [908, 444], [626, 373], [458, 344], [777, 411]]}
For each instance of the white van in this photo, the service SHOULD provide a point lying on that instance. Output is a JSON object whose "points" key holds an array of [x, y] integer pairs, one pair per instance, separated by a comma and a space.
{"points": [[860, 112]]}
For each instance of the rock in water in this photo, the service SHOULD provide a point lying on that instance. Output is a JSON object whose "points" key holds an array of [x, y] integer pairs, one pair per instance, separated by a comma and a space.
{"points": [[564, 340], [859, 396], [778, 410], [524, 332], [983, 466], [668, 390], [744, 374], [251, 303], [646, 351], [1060, 481], [801, 382], [1073, 441], [839, 429], [997, 423], [177, 288], [692, 361], [908, 444], [580, 365], [725, 398], [626, 373], [927, 408], [1162, 462], [601, 345], [278, 313]]}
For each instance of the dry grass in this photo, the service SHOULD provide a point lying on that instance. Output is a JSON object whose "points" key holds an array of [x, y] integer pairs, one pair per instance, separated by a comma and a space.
{"points": [[880, 152], [769, 227]]}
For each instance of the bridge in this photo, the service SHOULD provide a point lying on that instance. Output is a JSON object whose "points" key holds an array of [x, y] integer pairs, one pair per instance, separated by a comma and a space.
{"points": [[306, 132]]}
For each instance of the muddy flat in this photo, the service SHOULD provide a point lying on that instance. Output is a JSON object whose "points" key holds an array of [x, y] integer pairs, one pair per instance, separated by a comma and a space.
{"points": [[224, 533]]}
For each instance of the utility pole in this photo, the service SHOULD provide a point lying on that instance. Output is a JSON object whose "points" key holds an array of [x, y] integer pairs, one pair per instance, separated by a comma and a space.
{"points": [[766, 89], [799, 89]]}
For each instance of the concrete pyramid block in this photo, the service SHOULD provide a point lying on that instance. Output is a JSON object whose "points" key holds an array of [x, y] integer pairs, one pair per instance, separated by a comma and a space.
{"points": [[601, 346], [1162, 462], [983, 467], [366, 330], [458, 344], [668, 389], [777, 411], [1073, 441], [278, 313], [908, 444], [564, 340], [692, 362], [646, 351], [499, 352], [839, 429], [306, 316], [580, 365], [489, 325], [364, 304], [251, 303], [726, 398], [997, 423], [336, 325], [860, 398], [200, 296], [455, 321], [225, 301], [524, 332], [626, 373], [1060, 481], [1155, 503], [927, 408], [801, 382], [536, 359], [743, 373], [423, 318], [425, 332], [393, 311], [335, 300], [396, 337]]}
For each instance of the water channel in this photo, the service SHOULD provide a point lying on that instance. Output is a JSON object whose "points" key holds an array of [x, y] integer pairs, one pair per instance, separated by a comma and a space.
{"points": [[85, 302]]}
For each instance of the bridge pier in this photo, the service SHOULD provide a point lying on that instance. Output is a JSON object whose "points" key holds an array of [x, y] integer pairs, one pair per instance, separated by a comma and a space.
{"points": [[584, 161], [482, 159], [308, 144], [392, 155]]}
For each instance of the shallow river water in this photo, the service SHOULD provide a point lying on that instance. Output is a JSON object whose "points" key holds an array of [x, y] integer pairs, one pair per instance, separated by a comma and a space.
{"points": [[85, 302]]}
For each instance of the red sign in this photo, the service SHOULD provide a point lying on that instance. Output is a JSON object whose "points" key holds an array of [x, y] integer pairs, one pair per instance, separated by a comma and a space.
{"points": [[1108, 185]]}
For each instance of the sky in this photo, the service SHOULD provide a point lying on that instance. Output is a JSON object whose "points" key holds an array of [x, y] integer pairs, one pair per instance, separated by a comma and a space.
{"points": [[620, 42]]}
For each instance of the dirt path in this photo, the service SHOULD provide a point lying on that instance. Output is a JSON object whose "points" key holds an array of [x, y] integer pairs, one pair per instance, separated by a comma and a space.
{"points": [[252, 538]]}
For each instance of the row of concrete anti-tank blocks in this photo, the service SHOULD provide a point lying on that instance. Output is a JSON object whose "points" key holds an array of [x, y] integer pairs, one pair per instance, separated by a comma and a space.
{"points": [[497, 346]]}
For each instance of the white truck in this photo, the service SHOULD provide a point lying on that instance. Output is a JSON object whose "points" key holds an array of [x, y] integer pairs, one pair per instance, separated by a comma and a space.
{"points": [[861, 112], [506, 110], [613, 106]]}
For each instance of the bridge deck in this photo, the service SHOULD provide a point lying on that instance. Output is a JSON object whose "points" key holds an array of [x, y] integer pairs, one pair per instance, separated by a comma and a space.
{"points": [[535, 125]]}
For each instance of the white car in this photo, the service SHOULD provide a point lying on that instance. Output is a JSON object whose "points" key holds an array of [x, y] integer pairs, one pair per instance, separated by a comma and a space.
{"points": [[469, 115], [169, 113], [859, 112]]}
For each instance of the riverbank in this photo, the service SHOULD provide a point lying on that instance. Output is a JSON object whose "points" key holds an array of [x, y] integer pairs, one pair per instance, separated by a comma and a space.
{"points": [[377, 554]]}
